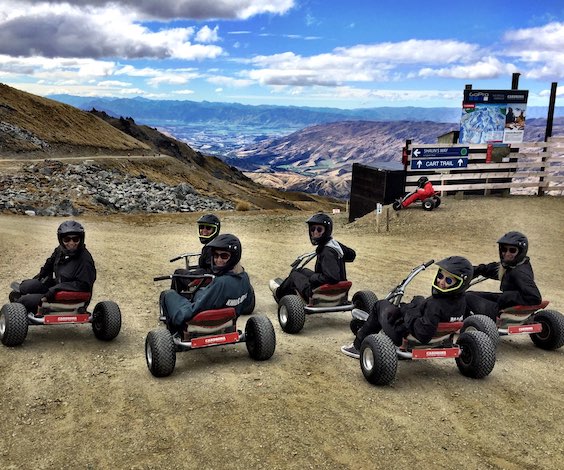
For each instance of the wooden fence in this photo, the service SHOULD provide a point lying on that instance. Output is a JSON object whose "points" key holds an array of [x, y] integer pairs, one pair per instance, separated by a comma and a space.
{"points": [[525, 168]]}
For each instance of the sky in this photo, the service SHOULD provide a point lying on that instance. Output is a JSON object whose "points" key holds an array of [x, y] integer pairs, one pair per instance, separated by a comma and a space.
{"points": [[343, 54]]}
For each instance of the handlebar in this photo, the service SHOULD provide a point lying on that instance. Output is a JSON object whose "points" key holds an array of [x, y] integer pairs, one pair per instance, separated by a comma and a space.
{"points": [[306, 256], [428, 263], [183, 276], [184, 255]]}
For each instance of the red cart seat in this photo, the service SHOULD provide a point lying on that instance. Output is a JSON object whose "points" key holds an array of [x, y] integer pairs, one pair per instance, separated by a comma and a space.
{"points": [[208, 322], [518, 314], [66, 302], [445, 332], [330, 295]]}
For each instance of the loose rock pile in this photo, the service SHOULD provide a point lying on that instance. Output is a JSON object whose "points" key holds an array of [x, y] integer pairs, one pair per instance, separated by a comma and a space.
{"points": [[55, 188]]}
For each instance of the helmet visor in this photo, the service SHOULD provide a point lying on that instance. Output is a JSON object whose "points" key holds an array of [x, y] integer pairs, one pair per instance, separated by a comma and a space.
{"points": [[207, 231], [447, 282]]}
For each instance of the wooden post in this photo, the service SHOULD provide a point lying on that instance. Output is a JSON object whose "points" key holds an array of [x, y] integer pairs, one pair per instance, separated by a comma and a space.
{"points": [[377, 222], [515, 81], [388, 219], [548, 131]]}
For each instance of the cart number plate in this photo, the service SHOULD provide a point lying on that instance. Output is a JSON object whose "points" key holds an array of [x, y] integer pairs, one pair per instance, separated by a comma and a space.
{"points": [[78, 318], [213, 340], [435, 353], [518, 329]]}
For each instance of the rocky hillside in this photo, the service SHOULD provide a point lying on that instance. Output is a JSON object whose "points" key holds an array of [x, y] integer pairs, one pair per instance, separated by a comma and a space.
{"points": [[32, 127]]}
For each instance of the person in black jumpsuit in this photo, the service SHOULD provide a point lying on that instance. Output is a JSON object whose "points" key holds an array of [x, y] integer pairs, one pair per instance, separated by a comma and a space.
{"points": [[230, 287], [329, 265], [70, 268], [421, 316], [515, 272], [209, 227]]}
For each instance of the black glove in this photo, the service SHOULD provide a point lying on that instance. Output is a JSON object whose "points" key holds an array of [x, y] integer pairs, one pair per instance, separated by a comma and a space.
{"points": [[479, 270]]}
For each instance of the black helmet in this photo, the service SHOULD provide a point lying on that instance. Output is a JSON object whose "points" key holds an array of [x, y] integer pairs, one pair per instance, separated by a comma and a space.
{"points": [[320, 219], [209, 220], [421, 182], [518, 240], [70, 227], [461, 270], [230, 243]]}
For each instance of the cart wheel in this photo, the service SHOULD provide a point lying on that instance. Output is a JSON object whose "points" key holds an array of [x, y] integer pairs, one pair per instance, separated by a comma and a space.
{"points": [[291, 314], [484, 324], [251, 308], [396, 205], [13, 324], [160, 353], [364, 300], [378, 359], [552, 334], [355, 325], [260, 338], [106, 320], [428, 204], [477, 355], [437, 200]]}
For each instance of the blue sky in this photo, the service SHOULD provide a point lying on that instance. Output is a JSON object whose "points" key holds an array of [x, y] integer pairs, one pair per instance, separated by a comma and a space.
{"points": [[345, 54]]}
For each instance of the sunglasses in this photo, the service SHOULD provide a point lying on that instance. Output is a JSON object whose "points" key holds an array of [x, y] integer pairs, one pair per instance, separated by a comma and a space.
{"points": [[511, 249], [69, 239], [317, 229], [223, 256], [448, 280]]}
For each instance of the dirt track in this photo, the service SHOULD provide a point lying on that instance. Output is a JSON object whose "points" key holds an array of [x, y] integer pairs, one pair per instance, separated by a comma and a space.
{"points": [[70, 401]]}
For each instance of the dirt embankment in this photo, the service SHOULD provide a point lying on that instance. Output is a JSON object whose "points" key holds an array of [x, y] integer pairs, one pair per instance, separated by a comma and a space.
{"points": [[70, 401]]}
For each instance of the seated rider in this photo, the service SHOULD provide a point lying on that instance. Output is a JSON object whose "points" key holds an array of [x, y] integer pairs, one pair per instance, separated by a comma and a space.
{"points": [[424, 190], [209, 226], [329, 266], [421, 317], [515, 272], [231, 286], [69, 268]]}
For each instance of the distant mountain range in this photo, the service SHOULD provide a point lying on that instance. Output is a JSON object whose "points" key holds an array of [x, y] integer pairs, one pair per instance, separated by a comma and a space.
{"points": [[162, 112]]}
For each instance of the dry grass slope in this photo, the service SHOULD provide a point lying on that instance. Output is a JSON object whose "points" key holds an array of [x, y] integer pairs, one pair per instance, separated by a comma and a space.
{"points": [[60, 124]]}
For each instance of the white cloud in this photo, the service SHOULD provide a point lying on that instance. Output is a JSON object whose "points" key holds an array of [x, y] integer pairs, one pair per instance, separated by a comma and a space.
{"points": [[112, 84], [230, 81], [559, 92], [540, 49], [490, 67], [207, 35], [545, 38], [184, 92]]}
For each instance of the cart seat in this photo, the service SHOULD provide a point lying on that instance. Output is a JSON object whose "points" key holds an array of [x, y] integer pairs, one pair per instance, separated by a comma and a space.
{"points": [[518, 314], [221, 320], [66, 302], [443, 336], [331, 295]]}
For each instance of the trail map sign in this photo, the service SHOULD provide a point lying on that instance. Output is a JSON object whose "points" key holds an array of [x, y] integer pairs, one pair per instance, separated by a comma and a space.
{"points": [[490, 116]]}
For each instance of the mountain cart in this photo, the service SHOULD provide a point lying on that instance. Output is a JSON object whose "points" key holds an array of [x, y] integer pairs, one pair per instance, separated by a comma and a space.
{"points": [[66, 308], [217, 327]]}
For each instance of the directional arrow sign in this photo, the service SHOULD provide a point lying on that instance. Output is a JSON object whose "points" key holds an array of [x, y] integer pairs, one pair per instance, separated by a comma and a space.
{"points": [[439, 163], [440, 152]]}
